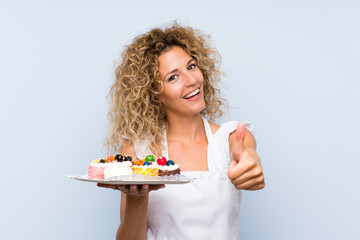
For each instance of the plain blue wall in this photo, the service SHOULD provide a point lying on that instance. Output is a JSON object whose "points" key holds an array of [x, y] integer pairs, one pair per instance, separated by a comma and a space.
{"points": [[292, 70]]}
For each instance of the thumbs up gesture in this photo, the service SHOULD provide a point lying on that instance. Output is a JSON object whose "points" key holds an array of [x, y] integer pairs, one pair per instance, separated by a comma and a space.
{"points": [[245, 170]]}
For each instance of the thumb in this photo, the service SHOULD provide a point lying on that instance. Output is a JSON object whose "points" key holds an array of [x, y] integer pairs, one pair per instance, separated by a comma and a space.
{"points": [[240, 135], [238, 147], [232, 164]]}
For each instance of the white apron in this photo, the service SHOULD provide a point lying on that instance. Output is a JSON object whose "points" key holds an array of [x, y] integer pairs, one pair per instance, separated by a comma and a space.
{"points": [[206, 208]]}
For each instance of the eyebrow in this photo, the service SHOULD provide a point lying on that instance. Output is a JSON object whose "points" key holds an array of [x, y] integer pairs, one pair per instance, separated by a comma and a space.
{"points": [[177, 69]]}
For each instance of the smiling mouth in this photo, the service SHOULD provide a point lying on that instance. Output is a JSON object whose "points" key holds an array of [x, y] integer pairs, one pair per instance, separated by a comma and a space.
{"points": [[192, 94]]}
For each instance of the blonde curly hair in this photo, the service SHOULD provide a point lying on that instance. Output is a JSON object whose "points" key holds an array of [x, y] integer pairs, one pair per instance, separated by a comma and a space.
{"points": [[135, 110]]}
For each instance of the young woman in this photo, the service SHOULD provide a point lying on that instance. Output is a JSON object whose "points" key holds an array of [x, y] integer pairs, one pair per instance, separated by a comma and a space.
{"points": [[165, 92]]}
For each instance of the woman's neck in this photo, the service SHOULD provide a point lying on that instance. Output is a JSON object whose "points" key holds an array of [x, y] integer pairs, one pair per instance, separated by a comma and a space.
{"points": [[187, 130]]}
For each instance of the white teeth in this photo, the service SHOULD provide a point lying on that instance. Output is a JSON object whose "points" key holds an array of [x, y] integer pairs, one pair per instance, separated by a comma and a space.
{"points": [[192, 93]]}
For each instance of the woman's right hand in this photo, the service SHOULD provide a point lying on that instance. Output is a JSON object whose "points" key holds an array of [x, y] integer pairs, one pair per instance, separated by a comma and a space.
{"points": [[133, 191]]}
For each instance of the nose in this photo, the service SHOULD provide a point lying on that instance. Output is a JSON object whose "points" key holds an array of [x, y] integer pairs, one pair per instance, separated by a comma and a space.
{"points": [[188, 78]]}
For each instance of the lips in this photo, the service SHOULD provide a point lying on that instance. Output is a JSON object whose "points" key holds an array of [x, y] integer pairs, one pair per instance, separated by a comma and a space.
{"points": [[192, 94]]}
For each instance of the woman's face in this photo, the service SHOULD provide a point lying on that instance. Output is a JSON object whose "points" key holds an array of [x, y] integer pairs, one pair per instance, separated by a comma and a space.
{"points": [[183, 83]]}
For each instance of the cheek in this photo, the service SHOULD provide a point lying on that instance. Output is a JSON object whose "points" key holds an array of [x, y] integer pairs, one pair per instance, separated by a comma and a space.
{"points": [[200, 77], [167, 95], [174, 90]]}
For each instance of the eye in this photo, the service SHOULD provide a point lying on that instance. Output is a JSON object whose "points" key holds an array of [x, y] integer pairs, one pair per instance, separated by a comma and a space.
{"points": [[172, 78], [192, 66]]}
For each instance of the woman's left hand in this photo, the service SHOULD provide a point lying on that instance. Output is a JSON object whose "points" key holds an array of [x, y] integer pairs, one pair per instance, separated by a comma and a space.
{"points": [[245, 170]]}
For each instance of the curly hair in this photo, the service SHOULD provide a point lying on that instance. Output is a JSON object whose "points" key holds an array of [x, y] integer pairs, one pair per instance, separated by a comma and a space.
{"points": [[135, 110]]}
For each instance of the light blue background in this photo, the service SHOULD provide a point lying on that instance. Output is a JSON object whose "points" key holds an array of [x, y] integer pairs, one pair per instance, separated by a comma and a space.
{"points": [[292, 70]]}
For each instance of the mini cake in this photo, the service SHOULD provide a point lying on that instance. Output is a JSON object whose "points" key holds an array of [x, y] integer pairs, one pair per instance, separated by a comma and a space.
{"points": [[119, 165], [161, 167], [96, 167], [167, 168], [144, 167]]}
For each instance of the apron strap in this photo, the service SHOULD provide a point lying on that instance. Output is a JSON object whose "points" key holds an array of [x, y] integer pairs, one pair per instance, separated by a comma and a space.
{"points": [[209, 153], [209, 134]]}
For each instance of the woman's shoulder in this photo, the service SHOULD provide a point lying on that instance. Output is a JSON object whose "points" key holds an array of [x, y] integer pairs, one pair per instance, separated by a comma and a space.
{"points": [[228, 128], [214, 127], [127, 147]]}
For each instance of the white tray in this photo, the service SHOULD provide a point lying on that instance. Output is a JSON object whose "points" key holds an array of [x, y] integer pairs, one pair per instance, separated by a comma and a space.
{"points": [[136, 180]]}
